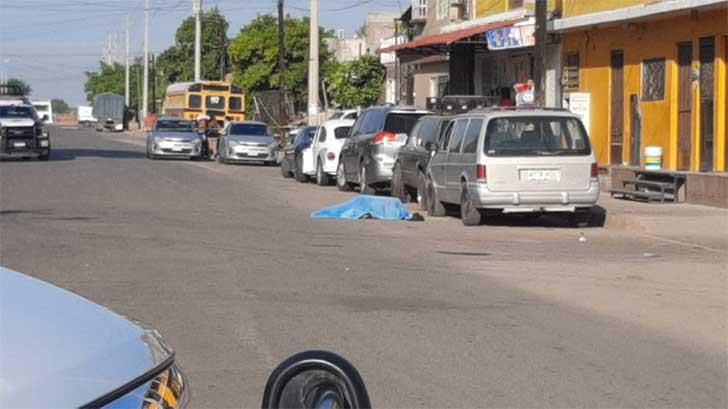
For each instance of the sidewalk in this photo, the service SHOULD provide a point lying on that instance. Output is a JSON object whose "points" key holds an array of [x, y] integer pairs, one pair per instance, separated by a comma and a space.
{"points": [[701, 226]]}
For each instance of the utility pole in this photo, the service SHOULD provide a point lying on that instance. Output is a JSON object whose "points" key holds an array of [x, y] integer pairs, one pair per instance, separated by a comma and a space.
{"points": [[282, 61], [540, 51], [127, 97], [197, 10], [313, 66], [145, 92], [154, 85]]}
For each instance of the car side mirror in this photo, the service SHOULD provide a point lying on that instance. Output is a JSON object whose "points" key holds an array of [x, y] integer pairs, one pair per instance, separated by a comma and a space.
{"points": [[315, 379], [429, 146], [45, 118]]}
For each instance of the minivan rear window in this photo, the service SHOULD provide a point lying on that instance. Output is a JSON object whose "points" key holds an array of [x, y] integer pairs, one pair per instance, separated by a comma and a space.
{"points": [[342, 132], [401, 122], [536, 136]]}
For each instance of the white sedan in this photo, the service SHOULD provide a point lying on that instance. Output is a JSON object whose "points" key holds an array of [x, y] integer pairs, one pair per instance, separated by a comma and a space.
{"points": [[321, 158]]}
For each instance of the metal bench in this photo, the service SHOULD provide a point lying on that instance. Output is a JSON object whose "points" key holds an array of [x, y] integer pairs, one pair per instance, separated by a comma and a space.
{"points": [[650, 185]]}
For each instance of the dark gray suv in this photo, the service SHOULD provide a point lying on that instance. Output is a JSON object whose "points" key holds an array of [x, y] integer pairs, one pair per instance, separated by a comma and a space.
{"points": [[367, 157], [410, 163]]}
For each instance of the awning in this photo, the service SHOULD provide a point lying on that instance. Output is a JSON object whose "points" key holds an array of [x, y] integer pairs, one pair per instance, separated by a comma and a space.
{"points": [[446, 39]]}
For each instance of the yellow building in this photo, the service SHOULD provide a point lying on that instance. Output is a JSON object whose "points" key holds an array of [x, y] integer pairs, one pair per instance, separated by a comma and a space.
{"points": [[655, 75]]}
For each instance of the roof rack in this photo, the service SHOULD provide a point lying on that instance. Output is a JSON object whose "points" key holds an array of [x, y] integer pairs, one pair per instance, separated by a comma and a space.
{"points": [[520, 108]]}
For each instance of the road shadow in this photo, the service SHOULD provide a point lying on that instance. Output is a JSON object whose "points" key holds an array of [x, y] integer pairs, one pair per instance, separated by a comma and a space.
{"points": [[597, 219], [72, 154]]}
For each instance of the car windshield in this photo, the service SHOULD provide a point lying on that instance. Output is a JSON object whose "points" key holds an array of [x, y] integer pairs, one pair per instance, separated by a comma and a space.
{"points": [[336, 115], [536, 136], [17, 112], [175, 125], [249, 129], [401, 122]]}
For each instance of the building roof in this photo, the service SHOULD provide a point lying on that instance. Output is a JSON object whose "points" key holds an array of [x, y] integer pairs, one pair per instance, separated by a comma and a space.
{"points": [[631, 13], [445, 39]]}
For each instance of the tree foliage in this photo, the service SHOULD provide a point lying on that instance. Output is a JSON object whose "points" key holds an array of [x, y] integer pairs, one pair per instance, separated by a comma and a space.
{"points": [[110, 78], [177, 63], [254, 55], [357, 83], [60, 107], [24, 86]]}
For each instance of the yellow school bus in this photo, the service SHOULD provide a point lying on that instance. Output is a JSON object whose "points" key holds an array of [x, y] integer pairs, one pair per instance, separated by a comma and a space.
{"points": [[218, 99]]}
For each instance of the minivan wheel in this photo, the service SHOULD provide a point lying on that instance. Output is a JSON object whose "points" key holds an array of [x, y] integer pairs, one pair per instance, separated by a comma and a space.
{"points": [[435, 208], [364, 187], [398, 189], [322, 179], [341, 182], [469, 214]]}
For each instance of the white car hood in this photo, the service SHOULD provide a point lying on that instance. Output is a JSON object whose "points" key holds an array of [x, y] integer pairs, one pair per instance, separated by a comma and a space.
{"points": [[13, 122], [61, 350]]}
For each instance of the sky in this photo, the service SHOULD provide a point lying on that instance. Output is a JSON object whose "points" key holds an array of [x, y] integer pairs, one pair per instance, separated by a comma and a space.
{"points": [[51, 43]]}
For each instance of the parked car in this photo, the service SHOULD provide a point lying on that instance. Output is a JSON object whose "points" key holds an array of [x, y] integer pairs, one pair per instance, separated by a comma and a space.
{"points": [[514, 161], [248, 141], [367, 156], [63, 351], [325, 150], [175, 138], [345, 114], [292, 161], [409, 174]]}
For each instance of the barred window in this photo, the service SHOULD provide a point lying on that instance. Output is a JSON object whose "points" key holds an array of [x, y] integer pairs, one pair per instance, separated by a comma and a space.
{"points": [[570, 77], [653, 79]]}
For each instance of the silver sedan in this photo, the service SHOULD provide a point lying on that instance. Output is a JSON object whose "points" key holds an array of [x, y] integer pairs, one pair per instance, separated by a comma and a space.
{"points": [[248, 141], [174, 137]]}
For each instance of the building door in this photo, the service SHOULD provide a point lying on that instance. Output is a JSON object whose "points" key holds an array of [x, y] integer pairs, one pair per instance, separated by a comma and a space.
{"points": [[707, 103], [684, 105], [617, 108], [636, 121]]}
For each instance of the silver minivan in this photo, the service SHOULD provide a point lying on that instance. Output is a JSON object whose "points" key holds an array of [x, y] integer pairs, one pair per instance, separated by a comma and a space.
{"points": [[514, 161]]}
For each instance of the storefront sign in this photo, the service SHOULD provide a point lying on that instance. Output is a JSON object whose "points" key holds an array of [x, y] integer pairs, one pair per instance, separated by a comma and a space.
{"points": [[580, 104], [505, 38]]}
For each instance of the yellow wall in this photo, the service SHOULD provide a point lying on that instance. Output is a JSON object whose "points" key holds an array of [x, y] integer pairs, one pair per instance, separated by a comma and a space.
{"points": [[656, 39], [485, 8], [577, 7]]}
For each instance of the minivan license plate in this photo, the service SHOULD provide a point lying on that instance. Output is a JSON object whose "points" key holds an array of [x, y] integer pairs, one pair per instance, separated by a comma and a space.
{"points": [[539, 175]]}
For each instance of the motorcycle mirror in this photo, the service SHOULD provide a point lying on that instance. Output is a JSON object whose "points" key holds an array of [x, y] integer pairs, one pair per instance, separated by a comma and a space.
{"points": [[315, 380]]}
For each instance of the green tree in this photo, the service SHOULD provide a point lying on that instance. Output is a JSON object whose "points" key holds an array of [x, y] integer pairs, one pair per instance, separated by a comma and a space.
{"points": [[254, 56], [357, 83], [177, 63], [60, 107], [24, 86], [110, 78]]}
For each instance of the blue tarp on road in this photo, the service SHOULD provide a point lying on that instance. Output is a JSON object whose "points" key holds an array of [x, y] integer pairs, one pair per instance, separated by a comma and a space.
{"points": [[365, 206]]}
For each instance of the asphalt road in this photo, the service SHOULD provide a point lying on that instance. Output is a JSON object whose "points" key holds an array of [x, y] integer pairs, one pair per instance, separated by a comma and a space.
{"points": [[227, 264]]}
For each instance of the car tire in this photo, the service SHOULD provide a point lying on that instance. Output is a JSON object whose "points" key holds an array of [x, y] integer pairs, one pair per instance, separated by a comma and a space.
{"points": [[469, 214], [421, 194], [284, 170], [298, 173], [364, 187], [341, 182], [398, 189], [435, 208], [44, 157], [322, 179]]}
